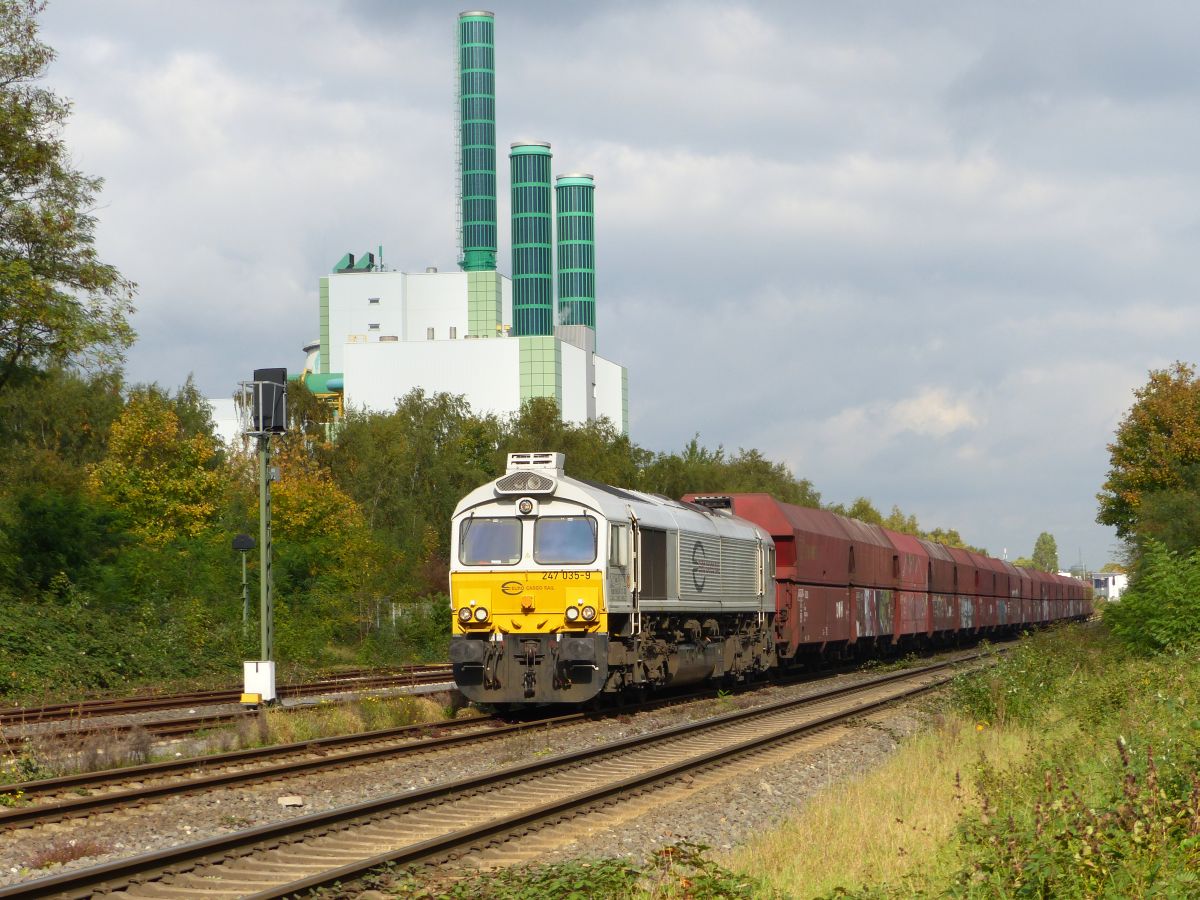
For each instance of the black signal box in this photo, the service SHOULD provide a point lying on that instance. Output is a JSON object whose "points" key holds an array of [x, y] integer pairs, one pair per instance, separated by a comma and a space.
{"points": [[269, 409]]}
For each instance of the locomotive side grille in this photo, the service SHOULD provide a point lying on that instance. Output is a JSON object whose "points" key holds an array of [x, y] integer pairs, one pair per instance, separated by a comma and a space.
{"points": [[739, 565], [525, 483]]}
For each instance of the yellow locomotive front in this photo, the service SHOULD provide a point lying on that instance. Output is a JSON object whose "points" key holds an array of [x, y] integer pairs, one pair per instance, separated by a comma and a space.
{"points": [[527, 588]]}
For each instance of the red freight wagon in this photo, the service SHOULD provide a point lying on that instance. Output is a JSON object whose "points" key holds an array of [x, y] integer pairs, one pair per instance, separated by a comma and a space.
{"points": [[842, 583], [1041, 595], [812, 560], [996, 588], [913, 614], [985, 601], [968, 580], [872, 582], [1013, 598], [1027, 594], [943, 588]]}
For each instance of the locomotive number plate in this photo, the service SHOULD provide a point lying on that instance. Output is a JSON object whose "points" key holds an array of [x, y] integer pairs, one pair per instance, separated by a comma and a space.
{"points": [[568, 576]]}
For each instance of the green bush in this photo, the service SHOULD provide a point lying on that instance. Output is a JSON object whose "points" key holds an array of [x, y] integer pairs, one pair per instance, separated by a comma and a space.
{"points": [[1161, 609], [419, 633], [56, 647], [1026, 682]]}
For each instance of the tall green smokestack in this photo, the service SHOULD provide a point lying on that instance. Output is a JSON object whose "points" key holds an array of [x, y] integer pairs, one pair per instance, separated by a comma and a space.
{"points": [[532, 239], [477, 138], [575, 206]]}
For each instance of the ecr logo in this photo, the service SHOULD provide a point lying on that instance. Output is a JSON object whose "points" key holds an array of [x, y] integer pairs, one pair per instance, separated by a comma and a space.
{"points": [[512, 588], [702, 567]]}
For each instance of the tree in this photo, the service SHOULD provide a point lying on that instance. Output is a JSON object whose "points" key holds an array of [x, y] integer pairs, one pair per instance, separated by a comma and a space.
{"points": [[699, 469], [58, 302], [862, 509], [1155, 459], [1045, 553], [161, 477]]}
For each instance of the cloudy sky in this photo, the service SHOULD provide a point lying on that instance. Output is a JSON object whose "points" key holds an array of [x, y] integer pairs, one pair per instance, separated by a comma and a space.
{"points": [[922, 252]]}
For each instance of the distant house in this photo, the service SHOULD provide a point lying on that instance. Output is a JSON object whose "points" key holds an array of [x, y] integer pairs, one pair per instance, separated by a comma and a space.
{"points": [[1109, 585]]}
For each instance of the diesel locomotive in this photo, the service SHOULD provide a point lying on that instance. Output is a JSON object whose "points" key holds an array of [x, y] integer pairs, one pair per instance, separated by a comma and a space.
{"points": [[563, 589]]}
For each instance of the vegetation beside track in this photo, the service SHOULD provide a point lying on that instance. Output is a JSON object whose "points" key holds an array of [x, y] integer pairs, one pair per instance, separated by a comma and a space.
{"points": [[1068, 769], [681, 871]]}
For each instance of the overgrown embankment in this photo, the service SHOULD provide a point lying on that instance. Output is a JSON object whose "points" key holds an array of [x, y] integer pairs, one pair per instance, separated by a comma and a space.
{"points": [[1069, 769]]}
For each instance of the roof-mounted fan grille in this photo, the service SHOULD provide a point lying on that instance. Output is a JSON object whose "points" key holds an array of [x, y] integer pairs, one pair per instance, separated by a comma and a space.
{"points": [[525, 483]]}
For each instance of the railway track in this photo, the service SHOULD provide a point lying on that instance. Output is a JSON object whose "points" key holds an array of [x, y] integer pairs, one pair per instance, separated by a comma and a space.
{"points": [[465, 815], [85, 709], [56, 799]]}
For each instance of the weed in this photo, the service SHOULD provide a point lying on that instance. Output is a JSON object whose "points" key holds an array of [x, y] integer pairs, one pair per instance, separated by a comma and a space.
{"points": [[12, 799], [64, 852], [681, 871], [22, 763]]}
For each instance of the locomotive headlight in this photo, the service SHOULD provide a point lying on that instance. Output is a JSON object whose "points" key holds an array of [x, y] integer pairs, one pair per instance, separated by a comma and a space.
{"points": [[481, 614], [589, 613], [464, 615], [572, 614]]}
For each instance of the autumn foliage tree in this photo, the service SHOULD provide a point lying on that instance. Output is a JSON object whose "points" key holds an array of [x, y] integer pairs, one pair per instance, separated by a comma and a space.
{"points": [[1153, 483], [162, 478]]}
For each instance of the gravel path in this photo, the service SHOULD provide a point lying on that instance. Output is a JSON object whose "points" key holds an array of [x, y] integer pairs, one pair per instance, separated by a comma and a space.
{"points": [[721, 820]]}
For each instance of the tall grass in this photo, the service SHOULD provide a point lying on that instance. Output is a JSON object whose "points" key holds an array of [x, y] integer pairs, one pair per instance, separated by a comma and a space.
{"points": [[285, 726], [881, 828]]}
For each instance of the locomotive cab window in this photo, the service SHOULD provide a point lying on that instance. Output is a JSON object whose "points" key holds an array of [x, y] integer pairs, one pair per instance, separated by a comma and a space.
{"points": [[489, 542], [564, 540]]}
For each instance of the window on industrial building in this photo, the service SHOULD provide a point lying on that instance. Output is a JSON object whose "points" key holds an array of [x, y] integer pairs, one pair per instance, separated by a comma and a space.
{"points": [[429, 334], [372, 299], [453, 332], [374, 326]]}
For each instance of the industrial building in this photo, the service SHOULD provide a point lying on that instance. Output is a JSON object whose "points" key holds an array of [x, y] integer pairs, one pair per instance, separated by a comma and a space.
{"points": [[497, 340]]}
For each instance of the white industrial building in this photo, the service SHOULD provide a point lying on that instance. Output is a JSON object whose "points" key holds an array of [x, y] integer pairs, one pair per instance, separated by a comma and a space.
{"points": [[384, 333]]}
